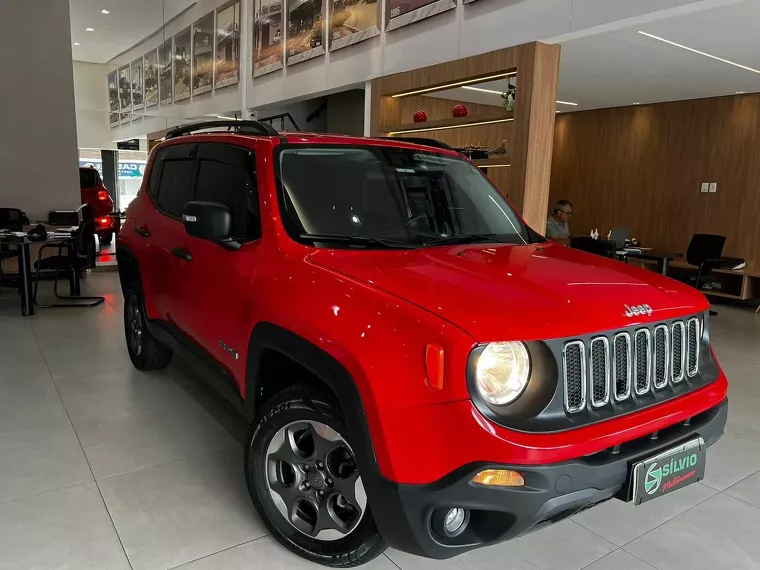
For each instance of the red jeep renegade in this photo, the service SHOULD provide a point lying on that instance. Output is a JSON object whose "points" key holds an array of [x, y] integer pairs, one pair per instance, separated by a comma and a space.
{"points": [[420, 368]]}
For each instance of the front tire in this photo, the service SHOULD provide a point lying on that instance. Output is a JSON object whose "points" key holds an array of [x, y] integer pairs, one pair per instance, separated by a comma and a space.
{"points": [[304, 481], [145, 352]]}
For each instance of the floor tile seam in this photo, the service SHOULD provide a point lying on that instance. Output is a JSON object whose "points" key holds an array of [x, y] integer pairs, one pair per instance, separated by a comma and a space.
{"points": [[113, 525], [258, 538], [164, 464]]}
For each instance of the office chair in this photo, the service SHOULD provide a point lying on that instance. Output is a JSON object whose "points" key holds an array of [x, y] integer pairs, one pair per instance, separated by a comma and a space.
{"points": [[605, 248], [83, 258], [10, 219], [706, 252]]}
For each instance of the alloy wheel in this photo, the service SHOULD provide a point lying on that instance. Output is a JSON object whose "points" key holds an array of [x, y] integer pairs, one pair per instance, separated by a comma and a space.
{"points": [[314, 481], [134, 325]]}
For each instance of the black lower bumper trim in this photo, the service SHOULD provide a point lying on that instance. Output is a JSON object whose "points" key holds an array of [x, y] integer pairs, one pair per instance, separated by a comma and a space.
{"points": [[551, 492]]}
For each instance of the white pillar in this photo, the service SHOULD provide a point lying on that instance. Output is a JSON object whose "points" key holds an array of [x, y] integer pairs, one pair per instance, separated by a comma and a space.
{"points": [[38, 146]]}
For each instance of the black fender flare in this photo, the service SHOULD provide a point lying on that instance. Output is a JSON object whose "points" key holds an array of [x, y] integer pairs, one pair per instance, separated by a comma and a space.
{"points": [[124, 251], [268, 336]]}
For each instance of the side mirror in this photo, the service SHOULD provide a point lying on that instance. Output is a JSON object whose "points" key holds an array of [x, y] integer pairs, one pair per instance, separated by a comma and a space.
{"points": [[211, 221]]}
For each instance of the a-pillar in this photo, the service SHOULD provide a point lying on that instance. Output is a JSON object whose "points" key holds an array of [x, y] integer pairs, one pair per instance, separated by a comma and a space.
{"points": [[38, 146]]}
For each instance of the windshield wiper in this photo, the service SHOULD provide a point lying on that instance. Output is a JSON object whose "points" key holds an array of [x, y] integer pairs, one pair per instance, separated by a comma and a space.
{"points": [[360, 240], [464, 238]]}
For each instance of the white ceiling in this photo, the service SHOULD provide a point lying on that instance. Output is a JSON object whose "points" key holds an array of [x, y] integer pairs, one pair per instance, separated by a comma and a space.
{"points": [[623, 67], [129, 22]]}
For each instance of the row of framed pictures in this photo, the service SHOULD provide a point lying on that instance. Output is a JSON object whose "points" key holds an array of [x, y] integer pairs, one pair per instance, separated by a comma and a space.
{"points": [[197, 59], [206, 55]]}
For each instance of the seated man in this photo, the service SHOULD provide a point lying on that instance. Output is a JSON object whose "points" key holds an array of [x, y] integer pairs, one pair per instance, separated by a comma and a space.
{"points": [[557, 228]]}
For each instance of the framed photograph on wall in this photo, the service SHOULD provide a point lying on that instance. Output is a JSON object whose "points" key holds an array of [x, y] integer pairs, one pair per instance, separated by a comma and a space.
{"points": [[227, 66], [203, 54], [113, 99], [352, 21], [305, 30], [182, 65], [267, 36], [150, 71], [403, 12], [165, 76], [125, 95], [136, 71]]}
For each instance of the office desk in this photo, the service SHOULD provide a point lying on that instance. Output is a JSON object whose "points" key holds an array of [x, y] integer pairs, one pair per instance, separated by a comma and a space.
{"points": [[662, 257], [25, 266]]}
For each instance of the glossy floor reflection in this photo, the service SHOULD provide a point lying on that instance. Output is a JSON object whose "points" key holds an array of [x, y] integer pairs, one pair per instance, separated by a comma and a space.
{"points": [[103, 467]]}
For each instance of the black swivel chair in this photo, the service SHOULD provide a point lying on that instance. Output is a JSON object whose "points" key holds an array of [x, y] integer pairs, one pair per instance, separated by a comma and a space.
{"points": [[706, 252], [83, 258], [605, 248], [10, 219]]}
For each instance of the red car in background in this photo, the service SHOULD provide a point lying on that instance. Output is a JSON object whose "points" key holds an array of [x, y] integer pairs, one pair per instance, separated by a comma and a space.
{"points": [[95, 194]]}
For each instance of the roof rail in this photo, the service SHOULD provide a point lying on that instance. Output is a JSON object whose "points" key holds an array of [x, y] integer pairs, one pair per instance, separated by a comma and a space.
{"points": [[241, 127], [422, 141]]}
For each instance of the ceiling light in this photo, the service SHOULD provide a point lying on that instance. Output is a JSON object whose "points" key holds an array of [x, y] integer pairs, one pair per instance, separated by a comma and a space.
{"points": [[740, 92], [105, 11], [473, 124], [503, 93], [89, 29], [454, 84], [493, 165], [483, 90], [699, 52], [76, 43], [636, 103]]}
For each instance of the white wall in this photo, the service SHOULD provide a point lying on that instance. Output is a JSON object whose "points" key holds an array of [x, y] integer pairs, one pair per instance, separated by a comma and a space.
{"points": [[91, 101], [479, 27], [38, 146]]}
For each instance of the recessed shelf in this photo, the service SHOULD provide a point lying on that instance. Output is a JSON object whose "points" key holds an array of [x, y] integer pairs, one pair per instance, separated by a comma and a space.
{"points": [[450, 123]]}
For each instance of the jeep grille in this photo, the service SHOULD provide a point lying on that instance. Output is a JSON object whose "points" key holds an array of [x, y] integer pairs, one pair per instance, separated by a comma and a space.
{"points": [[625, 364]]}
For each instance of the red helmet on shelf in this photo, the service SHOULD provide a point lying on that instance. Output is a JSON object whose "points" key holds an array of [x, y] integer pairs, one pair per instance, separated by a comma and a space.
{"points": [[420, 117], [459, 111]]}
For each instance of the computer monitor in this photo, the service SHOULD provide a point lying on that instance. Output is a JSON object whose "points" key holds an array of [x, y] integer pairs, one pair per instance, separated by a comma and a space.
{"points": [[619, 235]]}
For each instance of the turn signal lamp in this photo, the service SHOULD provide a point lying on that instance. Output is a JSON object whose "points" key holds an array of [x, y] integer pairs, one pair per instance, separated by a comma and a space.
{"points": [[499, 478], [434, 365]]}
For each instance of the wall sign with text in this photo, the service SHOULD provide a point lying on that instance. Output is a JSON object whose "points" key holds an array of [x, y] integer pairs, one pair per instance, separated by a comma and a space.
{"points": [[403, 12]]}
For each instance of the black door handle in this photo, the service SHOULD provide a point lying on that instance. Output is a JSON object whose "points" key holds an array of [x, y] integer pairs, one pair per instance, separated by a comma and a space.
{"points": [[142, 231], [182, 254]]}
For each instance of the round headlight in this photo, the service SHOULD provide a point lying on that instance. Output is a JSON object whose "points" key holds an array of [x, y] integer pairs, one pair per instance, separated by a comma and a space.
{"points": [[502, 372]]}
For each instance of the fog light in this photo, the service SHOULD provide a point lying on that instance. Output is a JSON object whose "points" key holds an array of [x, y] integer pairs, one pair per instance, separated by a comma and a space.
{"points": [[454, 521], [499, 478], [450, 523]]}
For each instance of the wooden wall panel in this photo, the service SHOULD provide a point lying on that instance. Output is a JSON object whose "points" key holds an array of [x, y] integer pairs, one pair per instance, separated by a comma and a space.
{"points": [[641, 168]]}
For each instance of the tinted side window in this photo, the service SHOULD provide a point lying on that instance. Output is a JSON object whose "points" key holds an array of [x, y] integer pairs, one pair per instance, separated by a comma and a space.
{"points": [[88, 178], [175, 189], [155, 174], [223, 176]]}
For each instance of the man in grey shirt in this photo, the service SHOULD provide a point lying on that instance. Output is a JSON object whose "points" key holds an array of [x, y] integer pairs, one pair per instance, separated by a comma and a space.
{"points": [[557, 228]]}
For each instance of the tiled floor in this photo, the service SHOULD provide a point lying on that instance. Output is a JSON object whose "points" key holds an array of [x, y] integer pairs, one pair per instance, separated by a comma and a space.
{"points": [[103, 467]]}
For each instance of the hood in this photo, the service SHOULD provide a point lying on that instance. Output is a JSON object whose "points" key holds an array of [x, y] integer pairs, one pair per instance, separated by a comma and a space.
{"points": [[517, 292]]}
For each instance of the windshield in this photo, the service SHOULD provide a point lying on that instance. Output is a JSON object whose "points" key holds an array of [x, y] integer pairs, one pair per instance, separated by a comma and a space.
{"points": [[391, 194]]}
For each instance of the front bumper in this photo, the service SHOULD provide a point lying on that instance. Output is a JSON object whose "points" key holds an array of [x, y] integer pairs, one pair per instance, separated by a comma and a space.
{"points": [[403, 512]]}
